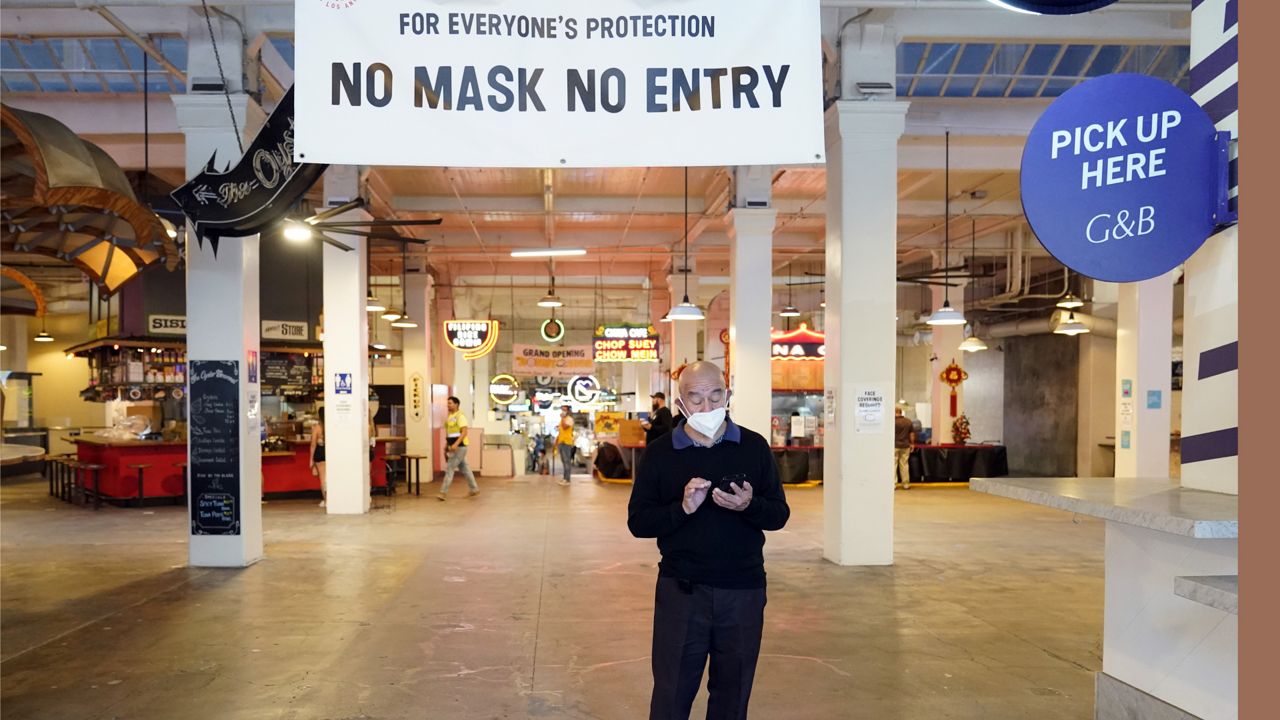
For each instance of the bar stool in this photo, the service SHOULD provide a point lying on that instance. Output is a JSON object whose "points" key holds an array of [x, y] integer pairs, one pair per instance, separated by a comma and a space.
{"points": [[140, 467], [180, 500], [66, 470], [414, 478], [96, 471], [395, 465]]}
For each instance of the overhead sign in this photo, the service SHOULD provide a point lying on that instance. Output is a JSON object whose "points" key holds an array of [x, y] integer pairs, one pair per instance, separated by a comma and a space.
{"points": [[552, 330], [257, 191], [584, 389], [799, 344], [504, 389], [1053, 7], [285, 330], [1124, 177], [625, 343], [473, 338], [599, 83], [551, 362], [167, 324]]}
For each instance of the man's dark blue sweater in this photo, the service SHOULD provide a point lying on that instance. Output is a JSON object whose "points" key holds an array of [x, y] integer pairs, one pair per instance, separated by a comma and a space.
{"points": [[713, 546]]}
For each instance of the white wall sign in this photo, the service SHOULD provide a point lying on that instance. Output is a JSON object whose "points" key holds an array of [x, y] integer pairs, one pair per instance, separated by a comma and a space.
{"points": [[829, 409], [870, 411], [417, 396], [285, 330], [167, 324], [597, 83]]}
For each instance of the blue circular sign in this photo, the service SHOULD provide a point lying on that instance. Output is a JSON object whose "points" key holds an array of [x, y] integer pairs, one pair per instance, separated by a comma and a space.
{"points": [[1053, 7], [1120, 178]]}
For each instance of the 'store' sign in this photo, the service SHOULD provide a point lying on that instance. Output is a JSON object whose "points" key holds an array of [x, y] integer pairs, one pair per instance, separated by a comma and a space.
{"points": [[1124, 177]]}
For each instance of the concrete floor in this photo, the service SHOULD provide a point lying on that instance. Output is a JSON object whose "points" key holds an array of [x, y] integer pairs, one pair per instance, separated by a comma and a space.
{"points": [[532, 600]]}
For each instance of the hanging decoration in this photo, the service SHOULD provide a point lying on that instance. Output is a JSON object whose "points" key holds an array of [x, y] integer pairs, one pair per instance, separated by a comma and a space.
{"points": [[953, 375]]}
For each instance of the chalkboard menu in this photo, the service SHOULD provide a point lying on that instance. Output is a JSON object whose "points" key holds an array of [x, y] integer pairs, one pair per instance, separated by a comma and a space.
{"points": [[275, 369], [214, 427]]}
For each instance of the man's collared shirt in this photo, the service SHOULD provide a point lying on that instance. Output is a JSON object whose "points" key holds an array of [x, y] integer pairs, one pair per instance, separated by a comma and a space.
{"points": [[680, 436]]}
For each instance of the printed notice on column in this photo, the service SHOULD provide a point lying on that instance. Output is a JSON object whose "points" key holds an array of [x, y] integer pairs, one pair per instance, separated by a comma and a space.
{"points": [[870, 411], [215, 447]]}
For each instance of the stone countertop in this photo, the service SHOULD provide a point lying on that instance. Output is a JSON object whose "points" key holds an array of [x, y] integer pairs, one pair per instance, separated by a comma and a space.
{"points": [[1152, 503], [15, 453], [1219, 591], [106, 442]]}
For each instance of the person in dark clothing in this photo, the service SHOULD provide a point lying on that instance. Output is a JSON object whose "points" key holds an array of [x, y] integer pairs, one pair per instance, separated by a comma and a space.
{"points": [[710, 593], [660, 422]]}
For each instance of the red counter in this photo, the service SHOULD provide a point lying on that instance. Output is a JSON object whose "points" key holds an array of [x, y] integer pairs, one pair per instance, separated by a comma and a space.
{"points": [[282, 472]]}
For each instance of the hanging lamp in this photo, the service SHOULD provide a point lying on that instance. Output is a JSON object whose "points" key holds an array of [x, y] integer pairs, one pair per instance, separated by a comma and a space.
{"points": [[973, 343], [404, 321], [686, 310], [1070, 325], [789, 310], [946, 315], [371, 301], [551, 300]]}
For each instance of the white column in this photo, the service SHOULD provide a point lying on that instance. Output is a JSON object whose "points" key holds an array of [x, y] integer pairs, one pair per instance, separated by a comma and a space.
{"points": [[1144, 357], [417, 365], [463, 370], [750, 315], [862, 226], [684, 333], [482, 371], [346, 356], [223, 324], [946, 347], [631, 400]]}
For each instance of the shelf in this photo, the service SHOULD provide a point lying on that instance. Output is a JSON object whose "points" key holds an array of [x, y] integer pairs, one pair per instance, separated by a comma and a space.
{"points": [[1152, 503], [1216, 591]]}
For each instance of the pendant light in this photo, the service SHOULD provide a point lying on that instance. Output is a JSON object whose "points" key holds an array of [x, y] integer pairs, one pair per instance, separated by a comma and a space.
{"points": [[1070, 301], [946, 315], [43, 336], [973, 343], [551, 300], [1069, 325], [404, 321], [789, 310], [371, 301], [686, 310]]}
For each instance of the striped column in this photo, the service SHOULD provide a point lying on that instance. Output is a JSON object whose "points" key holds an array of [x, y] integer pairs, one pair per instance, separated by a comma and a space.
{"points": [[1210, 320]]}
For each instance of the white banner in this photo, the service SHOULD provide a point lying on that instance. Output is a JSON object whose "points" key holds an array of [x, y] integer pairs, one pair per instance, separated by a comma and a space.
{"points": [[551, 362], [571, 83]]}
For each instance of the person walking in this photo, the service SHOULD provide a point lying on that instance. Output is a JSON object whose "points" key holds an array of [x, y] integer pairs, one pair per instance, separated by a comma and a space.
{"points": [[564, 442], [710, 594], [318, 456], [455, 431], [904, 436]]}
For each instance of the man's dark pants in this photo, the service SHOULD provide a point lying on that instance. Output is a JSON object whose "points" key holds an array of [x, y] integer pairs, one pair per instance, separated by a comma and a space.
{"points": [[692, 622]]}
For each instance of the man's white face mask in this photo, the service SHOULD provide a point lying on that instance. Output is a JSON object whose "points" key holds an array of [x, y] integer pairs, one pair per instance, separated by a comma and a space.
{"points": [[706, 423]]}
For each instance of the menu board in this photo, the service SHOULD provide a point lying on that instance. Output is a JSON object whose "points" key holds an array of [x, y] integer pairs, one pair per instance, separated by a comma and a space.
{"points": [[214, 426], [275, 370]]}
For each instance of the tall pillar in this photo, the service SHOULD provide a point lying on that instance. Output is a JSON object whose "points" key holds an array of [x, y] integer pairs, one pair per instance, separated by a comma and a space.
{"points": [[346, 356], [684, 333], [750, 315], [223, 325], [416, 344], [946, 347], [464, 370], [630, 400], [1211, 329], [861, 252], [1144, 353]]}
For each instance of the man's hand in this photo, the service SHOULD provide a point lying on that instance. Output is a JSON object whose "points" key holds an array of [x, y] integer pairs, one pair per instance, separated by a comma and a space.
{"points": [[645, 424], [738, 501], [695, 492]]}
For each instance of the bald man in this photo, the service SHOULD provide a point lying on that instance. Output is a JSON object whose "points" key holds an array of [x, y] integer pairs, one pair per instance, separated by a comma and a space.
{"points": [[710, 594]]}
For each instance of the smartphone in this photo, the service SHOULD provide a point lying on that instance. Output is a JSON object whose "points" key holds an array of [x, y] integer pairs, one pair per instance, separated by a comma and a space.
{"points": [[723, 484]]}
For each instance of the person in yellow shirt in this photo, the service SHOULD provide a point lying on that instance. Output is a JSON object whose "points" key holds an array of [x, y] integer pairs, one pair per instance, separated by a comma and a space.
{"points": [[564, 442], [455, 431]]}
